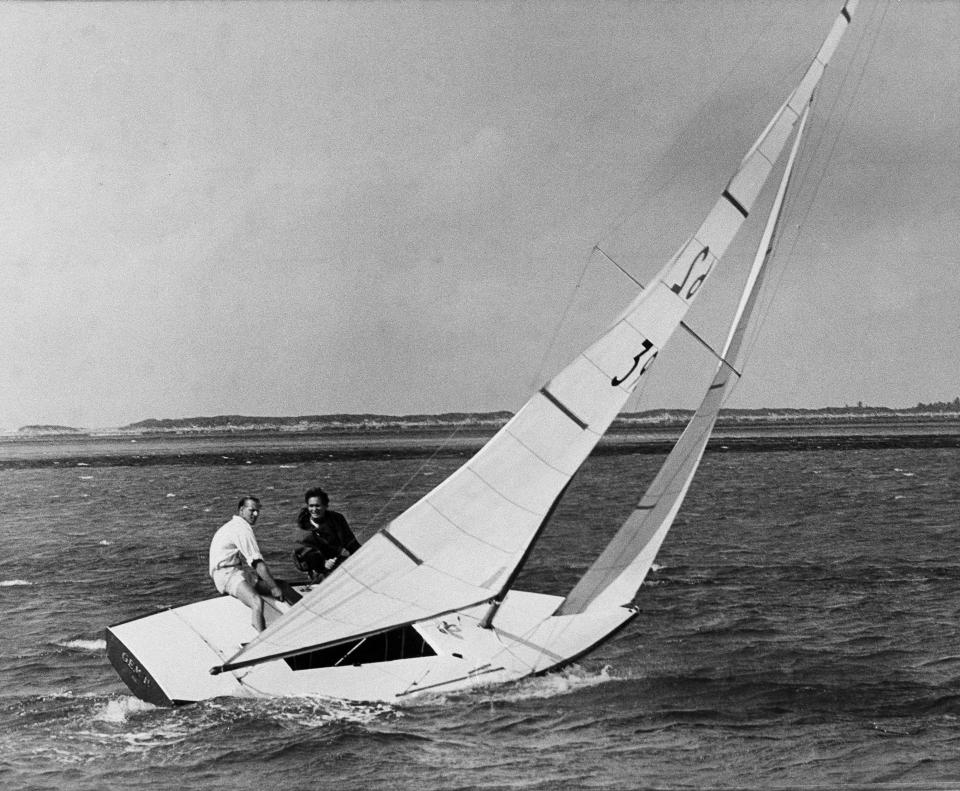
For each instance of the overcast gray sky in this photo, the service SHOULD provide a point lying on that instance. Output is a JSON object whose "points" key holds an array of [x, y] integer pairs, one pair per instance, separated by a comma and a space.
{"points": [[283, 208]]}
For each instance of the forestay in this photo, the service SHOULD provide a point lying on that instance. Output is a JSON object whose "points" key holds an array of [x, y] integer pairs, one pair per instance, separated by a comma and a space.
{"points": [[460, 544]]}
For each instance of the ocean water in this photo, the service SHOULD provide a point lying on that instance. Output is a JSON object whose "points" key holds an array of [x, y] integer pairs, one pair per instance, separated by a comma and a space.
{"points": [[799, 630]]}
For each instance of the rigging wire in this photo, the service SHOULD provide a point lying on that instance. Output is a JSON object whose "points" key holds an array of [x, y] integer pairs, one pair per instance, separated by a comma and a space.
{"points": [[445, 441], [868, 40], [631, 210]]}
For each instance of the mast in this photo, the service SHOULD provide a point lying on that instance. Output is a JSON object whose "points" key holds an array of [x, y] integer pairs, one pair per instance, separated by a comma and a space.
{"points": [[462, 543]]}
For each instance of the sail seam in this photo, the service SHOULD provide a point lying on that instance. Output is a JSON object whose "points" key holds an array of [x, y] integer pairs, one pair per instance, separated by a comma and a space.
{"points": [[467, 533], [787, 106], [538, 514], [537, 456]]}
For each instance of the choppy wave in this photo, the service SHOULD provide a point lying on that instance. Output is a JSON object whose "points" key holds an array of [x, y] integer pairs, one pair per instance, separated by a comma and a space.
{"points": [[301, 712], [788, 615]]}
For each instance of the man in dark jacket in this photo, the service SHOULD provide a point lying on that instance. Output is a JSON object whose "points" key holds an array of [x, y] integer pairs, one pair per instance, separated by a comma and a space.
{"points": [[327, 539]]}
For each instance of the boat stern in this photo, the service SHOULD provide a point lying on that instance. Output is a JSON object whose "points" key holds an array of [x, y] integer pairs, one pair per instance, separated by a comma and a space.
{"points": [[134, 674]]}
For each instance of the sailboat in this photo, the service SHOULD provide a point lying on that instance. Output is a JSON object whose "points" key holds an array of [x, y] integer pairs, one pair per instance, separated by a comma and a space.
{"points": [[428, 604]]}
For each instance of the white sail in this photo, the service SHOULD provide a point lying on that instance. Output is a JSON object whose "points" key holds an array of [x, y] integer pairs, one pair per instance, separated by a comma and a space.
{"points": [[461, 543], [618, 572]]}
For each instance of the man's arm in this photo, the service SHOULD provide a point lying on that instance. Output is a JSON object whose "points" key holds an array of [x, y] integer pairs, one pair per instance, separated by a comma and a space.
{"points": [[348, 541], [264, 573]]}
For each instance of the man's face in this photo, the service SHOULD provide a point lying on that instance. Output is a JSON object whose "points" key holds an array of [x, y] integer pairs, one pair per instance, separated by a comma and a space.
{"points": [[316, 508], [250, 511]]}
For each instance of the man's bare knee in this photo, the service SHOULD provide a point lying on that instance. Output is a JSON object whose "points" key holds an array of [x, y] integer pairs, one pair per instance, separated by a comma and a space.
{"points": [[249, 596]]}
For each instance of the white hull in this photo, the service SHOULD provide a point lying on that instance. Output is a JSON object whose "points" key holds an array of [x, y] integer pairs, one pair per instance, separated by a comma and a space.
{"points": [[165, 658]]}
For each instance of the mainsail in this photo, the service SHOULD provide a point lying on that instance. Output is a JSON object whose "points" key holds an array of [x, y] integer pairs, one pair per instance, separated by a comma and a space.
{"points": [[460, 544], [618, 572]]}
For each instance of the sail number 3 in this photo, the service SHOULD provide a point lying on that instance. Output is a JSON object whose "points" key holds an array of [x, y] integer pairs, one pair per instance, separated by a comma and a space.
{"points": [[647, 346], [692, 280]]}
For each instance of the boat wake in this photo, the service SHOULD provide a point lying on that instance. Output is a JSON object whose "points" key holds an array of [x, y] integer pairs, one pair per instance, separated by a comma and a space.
{"points": [[551, 685]]}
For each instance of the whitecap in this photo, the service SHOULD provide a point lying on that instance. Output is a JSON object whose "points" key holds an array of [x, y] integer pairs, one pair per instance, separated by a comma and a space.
{"points": [[14, 583], [85, 645], [288, 466], [119, 710], [171, 494], [86, 477], [105, 543]]}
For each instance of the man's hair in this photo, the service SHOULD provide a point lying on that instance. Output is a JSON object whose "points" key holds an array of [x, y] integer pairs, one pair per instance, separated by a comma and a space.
{"points": [[316, 491], [244, 500]]}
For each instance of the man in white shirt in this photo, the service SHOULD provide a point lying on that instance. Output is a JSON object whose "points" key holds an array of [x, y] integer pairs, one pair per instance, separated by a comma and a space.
{"points": [[233, 544]]}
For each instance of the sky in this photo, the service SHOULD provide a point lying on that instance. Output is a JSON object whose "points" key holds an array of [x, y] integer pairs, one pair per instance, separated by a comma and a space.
{"points": [[310, 208]]}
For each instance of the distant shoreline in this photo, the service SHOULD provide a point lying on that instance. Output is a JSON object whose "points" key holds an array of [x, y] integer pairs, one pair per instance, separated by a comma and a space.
{"points": [[226, 448], [652, 420]]}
